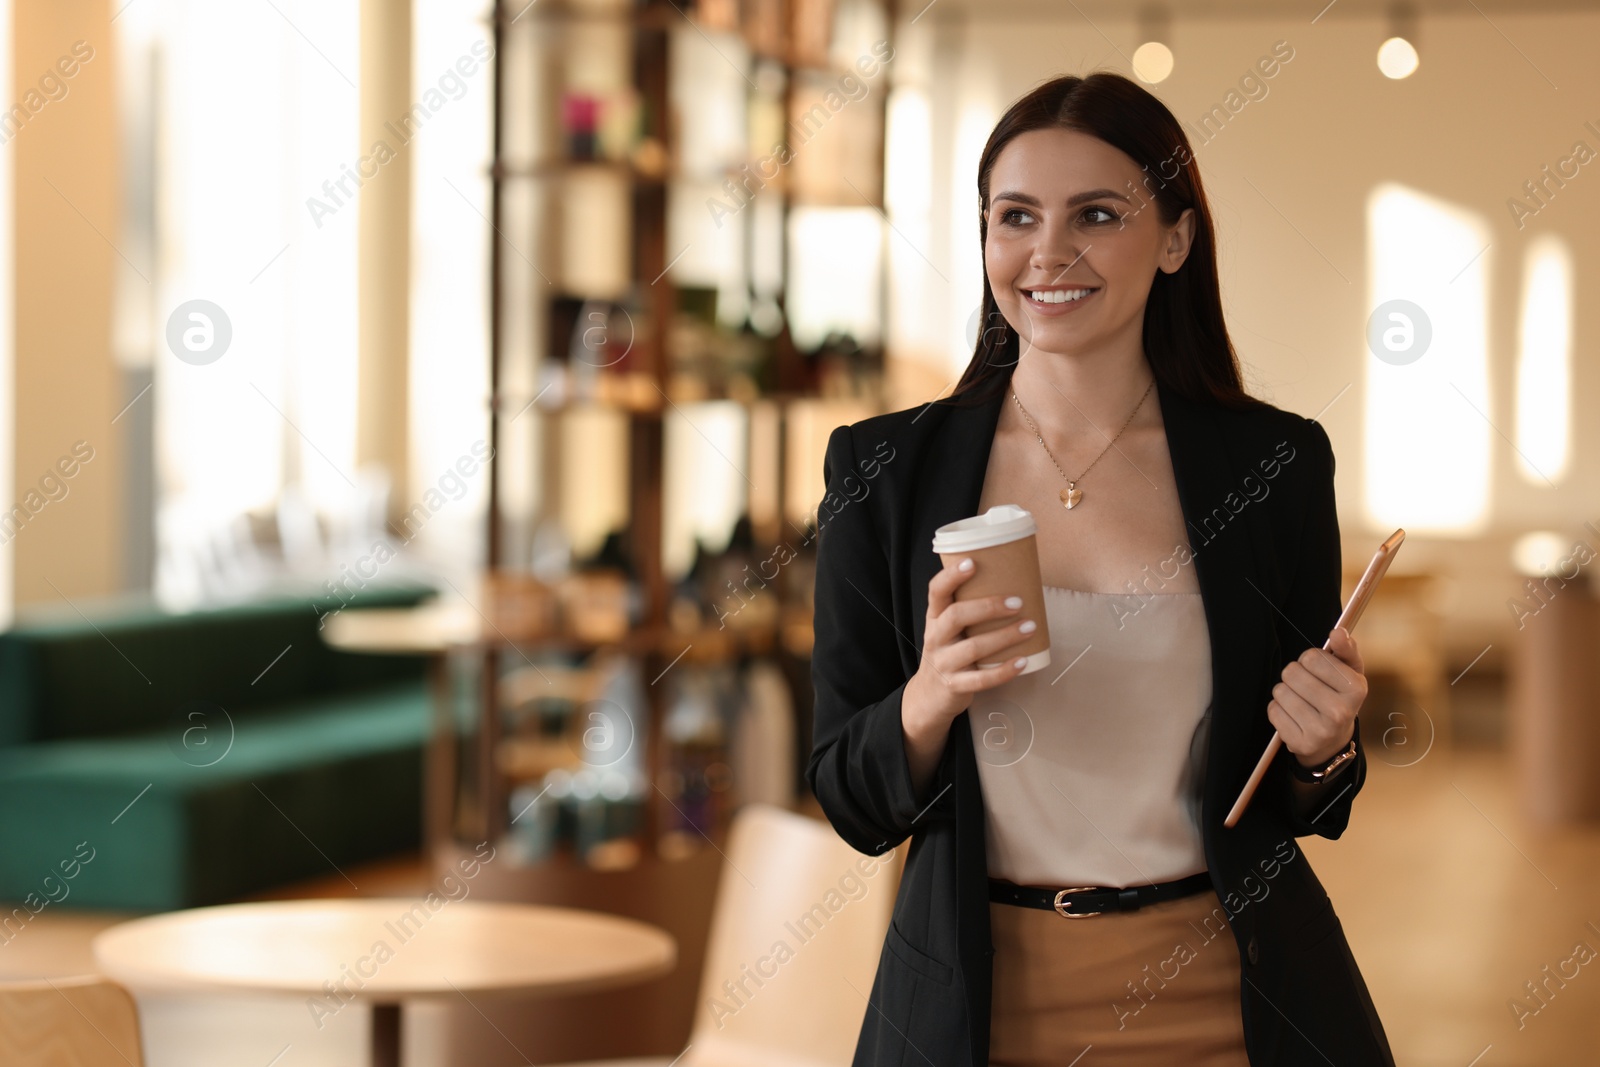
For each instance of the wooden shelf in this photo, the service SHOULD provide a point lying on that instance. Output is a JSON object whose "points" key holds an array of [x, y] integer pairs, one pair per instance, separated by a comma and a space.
{"points": [[656, 17], [653, 383], [514, 404], [563, 168]]}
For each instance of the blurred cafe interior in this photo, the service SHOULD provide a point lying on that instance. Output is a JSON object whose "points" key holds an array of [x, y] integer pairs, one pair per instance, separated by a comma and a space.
{"points": [[412, 419]]}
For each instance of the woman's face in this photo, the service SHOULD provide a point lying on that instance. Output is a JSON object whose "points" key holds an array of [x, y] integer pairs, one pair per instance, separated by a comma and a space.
{"points": [[1069, 217]]}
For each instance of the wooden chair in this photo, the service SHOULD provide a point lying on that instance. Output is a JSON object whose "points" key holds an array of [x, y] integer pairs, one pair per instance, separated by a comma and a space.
{"points": [[800, 919], [85, 1021]]}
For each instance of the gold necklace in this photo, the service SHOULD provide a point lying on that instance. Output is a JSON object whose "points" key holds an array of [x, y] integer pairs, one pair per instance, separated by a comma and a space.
{"points": [[1071, 495]]}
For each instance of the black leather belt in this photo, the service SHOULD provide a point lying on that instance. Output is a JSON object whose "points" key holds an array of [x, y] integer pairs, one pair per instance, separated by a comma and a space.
{"points": [[1088, 901]]}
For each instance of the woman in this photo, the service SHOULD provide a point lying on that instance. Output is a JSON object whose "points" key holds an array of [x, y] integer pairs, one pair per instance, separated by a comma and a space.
{"points": [[1189, 546]]}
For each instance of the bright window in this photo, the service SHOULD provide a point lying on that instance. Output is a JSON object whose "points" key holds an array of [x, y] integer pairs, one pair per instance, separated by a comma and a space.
{"points": [[257, 113], [836, 255], [707, 466], [1428, 428], [1544, 362], [450, 284]]}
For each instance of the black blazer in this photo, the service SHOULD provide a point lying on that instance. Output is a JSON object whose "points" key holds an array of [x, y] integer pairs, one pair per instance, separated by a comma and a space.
{"points": [[1257, 494]]}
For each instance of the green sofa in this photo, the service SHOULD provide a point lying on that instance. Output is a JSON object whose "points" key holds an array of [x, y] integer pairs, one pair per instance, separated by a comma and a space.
{"points": [[153, 760]]}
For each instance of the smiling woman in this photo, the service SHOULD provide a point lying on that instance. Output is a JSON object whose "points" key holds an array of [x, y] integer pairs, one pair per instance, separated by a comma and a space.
{"points": [[1104, 397], [1182, 325]]}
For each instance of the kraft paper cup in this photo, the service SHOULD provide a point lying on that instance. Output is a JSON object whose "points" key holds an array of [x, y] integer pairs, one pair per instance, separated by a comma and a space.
{"points": [[1005, 550]]}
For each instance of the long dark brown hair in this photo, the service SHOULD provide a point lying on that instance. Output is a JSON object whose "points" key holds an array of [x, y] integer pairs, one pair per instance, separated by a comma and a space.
{"points": [[1185, 338]]}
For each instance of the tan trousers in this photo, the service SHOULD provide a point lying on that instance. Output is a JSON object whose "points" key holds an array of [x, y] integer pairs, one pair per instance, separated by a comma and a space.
{"points": [[1156, 986]]}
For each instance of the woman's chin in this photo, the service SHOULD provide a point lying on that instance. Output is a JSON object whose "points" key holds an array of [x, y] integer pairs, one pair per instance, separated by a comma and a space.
{"points": [[1057, 336]]}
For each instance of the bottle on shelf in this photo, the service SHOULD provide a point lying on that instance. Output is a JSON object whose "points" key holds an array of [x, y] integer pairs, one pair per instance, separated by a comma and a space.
{"points": [[696, 773], [579, 117], [763, 750]]}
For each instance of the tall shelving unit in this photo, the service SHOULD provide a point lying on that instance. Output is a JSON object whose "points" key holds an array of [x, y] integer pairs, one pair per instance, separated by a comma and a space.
{"points": [[593, 330], [604, 333]]}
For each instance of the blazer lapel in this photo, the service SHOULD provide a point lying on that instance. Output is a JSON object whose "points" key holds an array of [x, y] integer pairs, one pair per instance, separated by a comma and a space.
{"points": [[1225, 545], [1227, 550]]}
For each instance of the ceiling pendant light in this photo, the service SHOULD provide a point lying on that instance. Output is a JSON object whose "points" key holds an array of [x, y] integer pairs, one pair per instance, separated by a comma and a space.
{"points": [[1397, 55], [1152, 60]]}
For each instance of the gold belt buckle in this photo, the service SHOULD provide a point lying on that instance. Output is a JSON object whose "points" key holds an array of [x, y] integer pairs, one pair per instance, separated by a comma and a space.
{"points": [[1061, 908]]}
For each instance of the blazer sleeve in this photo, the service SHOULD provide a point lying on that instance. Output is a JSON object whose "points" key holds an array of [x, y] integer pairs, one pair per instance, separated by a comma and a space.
{"points": [[858, 769], [1313, 607]]}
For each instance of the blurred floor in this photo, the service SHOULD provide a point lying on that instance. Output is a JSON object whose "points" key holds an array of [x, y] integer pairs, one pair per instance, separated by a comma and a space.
{"points": [[1450, 900]]}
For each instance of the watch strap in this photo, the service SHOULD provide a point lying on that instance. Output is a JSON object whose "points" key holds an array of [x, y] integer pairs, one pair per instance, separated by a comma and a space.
{"points": [[1328, 770]]}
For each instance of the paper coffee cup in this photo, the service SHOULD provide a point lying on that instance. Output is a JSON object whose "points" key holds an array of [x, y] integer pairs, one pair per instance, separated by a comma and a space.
{"points": [[1005, 549]]}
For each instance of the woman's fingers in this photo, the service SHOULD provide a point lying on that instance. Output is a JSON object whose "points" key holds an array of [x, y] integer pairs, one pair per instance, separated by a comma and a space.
{"points": [[981, 648], [948, 648], [975, 679], [1318, 669], [1314, 707], [965, 613], [942, 587], [1288, 726], [1300, 710], [1343, 645], [948, 617], [1332, 687]]}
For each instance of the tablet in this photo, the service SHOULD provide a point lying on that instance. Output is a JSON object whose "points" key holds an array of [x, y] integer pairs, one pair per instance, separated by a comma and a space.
{"points": [[1347, 618]]}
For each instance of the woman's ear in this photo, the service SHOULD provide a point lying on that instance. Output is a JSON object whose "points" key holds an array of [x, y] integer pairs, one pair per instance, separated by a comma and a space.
{"points": [[1180, 238]]}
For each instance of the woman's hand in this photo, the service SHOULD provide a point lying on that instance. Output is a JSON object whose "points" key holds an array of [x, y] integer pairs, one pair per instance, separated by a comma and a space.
{"points": [[946, 679], [1314, 707]]}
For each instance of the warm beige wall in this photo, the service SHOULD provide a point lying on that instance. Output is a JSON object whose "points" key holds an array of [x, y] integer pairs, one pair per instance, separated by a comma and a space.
{"points": [[67, 383]]}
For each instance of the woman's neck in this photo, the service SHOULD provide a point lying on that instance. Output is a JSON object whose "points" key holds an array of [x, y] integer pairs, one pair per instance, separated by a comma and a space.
{"points": [[1070, 396]]}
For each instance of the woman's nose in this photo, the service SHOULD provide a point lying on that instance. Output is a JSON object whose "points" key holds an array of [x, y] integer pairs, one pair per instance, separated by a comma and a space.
{"points": [[1055, 252]]}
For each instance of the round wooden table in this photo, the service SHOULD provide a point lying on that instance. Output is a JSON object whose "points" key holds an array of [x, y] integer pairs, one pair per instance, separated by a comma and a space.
{"points": [[383, 952]]}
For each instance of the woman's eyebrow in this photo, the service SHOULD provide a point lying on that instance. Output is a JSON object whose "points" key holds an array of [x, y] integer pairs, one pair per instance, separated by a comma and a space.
{"points": [[1072, 201]]}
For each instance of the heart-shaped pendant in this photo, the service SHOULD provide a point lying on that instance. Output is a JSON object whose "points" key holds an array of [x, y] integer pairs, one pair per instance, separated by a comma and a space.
{"points": [[1070, 496]]}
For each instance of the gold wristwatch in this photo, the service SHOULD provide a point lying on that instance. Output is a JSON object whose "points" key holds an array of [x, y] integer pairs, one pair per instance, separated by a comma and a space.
{"points": [[1314, 777]]}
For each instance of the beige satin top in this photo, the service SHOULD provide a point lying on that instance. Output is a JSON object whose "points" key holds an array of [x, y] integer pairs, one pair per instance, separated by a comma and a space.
{"points": [[1091, 767]]}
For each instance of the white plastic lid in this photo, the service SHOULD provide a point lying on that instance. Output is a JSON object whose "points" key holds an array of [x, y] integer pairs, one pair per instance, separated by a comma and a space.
{"points": [[997, 526]]}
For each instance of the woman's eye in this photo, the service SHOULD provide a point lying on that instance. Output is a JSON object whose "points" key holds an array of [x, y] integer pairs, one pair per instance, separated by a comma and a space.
{"points": [[1096, 215]]}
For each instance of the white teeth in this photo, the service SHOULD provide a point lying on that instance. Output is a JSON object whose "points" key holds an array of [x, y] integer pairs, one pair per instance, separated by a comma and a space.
{"points": [[1059, 296]]}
